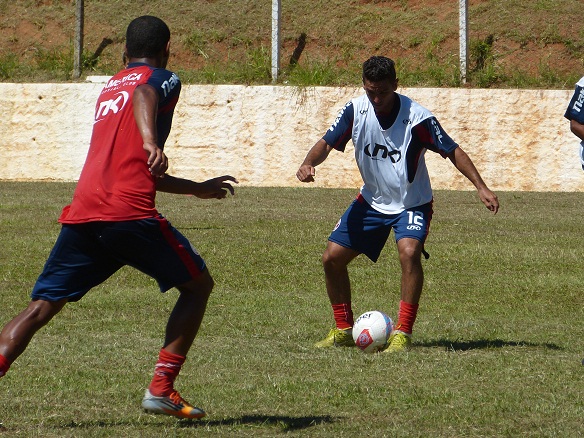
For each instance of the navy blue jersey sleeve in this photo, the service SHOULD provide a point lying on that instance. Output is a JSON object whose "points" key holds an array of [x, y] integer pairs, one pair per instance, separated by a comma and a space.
{"points": [[430, 135], [168, 86], [340, 132], [575, 110]]}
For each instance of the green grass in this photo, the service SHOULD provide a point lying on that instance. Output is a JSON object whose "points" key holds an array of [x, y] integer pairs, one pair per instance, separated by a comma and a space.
{"points": [[498, 340]]}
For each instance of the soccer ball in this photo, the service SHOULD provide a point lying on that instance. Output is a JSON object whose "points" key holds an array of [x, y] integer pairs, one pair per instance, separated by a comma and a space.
{"points": [[371, 331]]}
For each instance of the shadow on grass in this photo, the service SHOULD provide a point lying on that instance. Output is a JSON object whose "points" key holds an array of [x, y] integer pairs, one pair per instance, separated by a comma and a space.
{"points": [[483, 344], [284, 422], [203, 228]]}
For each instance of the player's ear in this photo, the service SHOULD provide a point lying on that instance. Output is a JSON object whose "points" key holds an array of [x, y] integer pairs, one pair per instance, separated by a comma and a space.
{"points": [[395, 84], [165, 55], [125, 56]]}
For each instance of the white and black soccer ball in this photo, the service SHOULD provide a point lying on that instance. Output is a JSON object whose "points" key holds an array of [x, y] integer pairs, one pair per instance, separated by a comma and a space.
{"points": [[371, 331]]}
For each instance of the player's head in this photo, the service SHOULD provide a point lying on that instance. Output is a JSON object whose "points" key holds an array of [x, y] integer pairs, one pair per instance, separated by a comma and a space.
{"points": [[379, 68], [380, 83], [147, 37]]}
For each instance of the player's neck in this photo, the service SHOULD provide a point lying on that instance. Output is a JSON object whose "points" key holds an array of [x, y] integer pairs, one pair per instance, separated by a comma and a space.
{"points": [[156, 62], [150, 61], [383, 112]]}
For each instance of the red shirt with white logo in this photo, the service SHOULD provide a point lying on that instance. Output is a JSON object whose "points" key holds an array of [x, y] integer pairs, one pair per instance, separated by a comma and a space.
{"points": [[115, 183]]}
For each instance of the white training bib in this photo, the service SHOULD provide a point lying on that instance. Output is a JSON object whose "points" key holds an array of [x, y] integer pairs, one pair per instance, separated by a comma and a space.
{"points": [[393, 178]]}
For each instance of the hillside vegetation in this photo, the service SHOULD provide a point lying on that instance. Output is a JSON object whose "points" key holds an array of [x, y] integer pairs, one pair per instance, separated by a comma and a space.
{"points": [[513, 43]]}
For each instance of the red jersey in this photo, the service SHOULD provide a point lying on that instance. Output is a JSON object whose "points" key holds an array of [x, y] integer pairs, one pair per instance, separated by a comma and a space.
{"points": [[115, 183]]}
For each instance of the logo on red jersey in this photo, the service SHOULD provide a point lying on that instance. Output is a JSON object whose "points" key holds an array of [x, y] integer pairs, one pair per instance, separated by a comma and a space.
{"points": [[113, 105]]}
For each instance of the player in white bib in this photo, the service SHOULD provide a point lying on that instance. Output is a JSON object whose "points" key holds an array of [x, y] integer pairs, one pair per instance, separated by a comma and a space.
{"points": [[393, 180], [575, 114], [391, 133]]}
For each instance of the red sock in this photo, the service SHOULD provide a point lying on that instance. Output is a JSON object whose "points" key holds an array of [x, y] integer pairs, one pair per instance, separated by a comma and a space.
{"points": [[407, 317], [4, 365], [166, 370], [343, 315]]}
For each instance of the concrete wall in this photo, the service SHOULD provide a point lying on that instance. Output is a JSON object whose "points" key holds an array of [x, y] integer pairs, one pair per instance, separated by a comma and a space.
{"points": [[518, 139]]}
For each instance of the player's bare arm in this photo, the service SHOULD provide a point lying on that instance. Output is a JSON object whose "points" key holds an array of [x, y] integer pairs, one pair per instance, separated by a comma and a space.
{"points": [[465, 166], [214, 188], [577, 129], [145, 102], [316, 155]]}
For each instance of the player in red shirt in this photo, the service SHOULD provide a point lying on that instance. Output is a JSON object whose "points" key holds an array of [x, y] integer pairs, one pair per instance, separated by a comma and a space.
{"points": [[112, 220]]}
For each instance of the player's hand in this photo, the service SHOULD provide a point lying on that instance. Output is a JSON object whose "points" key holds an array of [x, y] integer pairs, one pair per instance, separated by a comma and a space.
{"points": [[306, 173], [216, 188], [157, 160], [489, 199]]}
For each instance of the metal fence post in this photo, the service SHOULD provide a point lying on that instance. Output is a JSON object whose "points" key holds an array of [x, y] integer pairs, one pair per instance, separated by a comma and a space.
{"points": [[276, 28], [78, 49], [463, 38]]}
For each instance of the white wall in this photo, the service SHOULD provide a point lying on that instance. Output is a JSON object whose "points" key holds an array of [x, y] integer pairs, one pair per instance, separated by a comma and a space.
{"points": [[518, 139]]}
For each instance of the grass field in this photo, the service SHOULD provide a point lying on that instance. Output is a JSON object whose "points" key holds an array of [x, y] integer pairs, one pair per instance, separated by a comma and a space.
{"points": [[498, 342]]}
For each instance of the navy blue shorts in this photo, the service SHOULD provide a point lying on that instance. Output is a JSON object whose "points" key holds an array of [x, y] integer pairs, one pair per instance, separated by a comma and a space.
{"points": [[85, 255], [366, 230]]}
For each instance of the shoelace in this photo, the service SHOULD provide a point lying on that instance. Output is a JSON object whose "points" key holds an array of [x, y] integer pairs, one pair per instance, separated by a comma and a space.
{"points": [[400, 340], [177, 399]]}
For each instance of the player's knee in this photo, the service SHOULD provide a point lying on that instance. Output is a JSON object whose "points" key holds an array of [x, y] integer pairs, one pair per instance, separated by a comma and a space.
{"points": [[326, 259], [410, 257], [331, 262], [202, 285], [410, 248], [42, 311]]}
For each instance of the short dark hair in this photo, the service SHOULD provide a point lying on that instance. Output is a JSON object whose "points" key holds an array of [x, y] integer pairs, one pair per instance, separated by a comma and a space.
{"points": [[379, 68], [146, 37]]}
